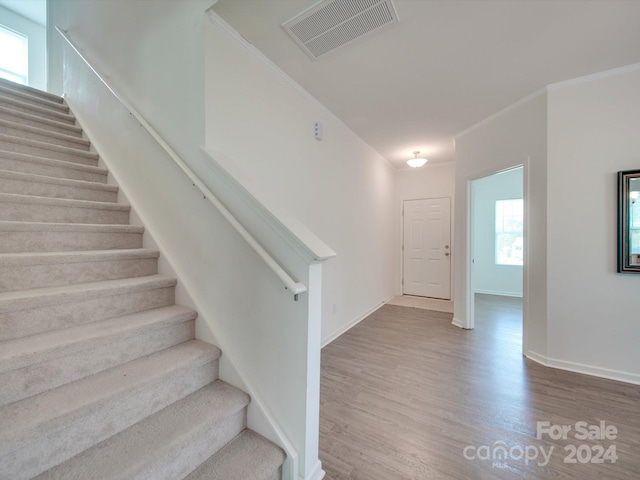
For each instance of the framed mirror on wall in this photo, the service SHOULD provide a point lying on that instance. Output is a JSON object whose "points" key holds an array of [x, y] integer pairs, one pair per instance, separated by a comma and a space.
{"points": [[629, 221]]}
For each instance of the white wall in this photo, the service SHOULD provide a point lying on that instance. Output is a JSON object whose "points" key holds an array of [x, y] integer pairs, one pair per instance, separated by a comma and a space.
{"points": [[261, 127], [153, 48], [431, 181], [489, 277], [579, 313], [517, 136], [37, 35], [593, 311]]}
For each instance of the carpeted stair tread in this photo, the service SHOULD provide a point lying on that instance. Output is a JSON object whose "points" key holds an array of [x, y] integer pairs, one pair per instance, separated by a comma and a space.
{"points": [[21, 271], [34, 364], [36, 133], [17, 237], [67, 227], [249, 456], [26, 96], [83, 413], [166, 445], [45, 346], [16, 103], [32, 177], [34, 120], [40, 258], [61, 202], [29, 164], [48, 296], [14, 207], [30, 90], [30, 312], [57, 152]]}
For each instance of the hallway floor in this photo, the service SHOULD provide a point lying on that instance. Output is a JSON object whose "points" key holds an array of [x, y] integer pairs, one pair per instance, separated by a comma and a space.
{"points": [[407, 395]]}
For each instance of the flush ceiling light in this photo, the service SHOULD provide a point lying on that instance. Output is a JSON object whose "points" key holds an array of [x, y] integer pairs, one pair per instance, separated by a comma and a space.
{"points": [[417, 161]]}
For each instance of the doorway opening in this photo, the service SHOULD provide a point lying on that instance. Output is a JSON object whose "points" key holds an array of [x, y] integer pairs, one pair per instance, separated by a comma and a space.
{"points": [[497, 242]]}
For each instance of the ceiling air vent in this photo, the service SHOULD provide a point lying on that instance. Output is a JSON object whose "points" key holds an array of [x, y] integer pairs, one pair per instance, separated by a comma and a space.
{"points": [[335, 23]]}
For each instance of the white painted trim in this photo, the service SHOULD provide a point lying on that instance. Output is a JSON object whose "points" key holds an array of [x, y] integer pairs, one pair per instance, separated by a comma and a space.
{"points": [[499, 293], [553, 86], [634, 67], [316, 474], [526, 267], [594, 371], [304, 242], [326, 341], [458, 323], [499, 113], [469, 313], [536, 357], [213, 16]]}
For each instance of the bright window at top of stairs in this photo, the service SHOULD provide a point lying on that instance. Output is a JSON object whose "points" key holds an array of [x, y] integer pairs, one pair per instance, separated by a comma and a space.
{"points": [[14, 55]]}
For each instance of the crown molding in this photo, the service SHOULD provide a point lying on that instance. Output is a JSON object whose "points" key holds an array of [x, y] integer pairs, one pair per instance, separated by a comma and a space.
{"points": [[635, 67], [505, 110]]}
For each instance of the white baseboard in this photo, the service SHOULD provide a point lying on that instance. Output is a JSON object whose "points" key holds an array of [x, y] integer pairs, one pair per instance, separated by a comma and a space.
{"points": [[536, 357], [497, 292], [353, 323], [607, 373], [316, 474], [457, 322]]}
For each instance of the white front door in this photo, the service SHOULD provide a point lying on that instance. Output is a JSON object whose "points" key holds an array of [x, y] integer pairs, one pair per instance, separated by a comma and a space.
{"points": [[427, 248]]}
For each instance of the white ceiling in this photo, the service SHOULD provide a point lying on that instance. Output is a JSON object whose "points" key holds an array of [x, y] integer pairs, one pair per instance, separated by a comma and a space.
{"points": [[447, 64], [35, 10]]}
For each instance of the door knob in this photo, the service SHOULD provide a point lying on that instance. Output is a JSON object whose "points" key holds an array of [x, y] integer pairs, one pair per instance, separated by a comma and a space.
{"points": [[446, 254]]}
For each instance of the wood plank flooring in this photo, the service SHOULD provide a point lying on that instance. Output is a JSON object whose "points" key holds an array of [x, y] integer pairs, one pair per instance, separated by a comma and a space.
{"points": [[404, 394]]}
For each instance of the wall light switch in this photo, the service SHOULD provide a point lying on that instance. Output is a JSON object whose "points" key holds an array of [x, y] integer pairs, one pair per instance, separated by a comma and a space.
{"points": [[317, 131]]}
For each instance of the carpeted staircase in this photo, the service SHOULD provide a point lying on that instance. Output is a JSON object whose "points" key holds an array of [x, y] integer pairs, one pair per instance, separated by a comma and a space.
{"points": [[100, 373]]}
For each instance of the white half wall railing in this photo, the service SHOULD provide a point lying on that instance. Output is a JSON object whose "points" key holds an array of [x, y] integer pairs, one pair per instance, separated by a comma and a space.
{"points": [[296, 288]]}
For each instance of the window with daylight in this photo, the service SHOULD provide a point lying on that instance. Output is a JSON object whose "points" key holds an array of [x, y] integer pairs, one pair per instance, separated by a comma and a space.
{"points": [[14, 58], [509, 227]]}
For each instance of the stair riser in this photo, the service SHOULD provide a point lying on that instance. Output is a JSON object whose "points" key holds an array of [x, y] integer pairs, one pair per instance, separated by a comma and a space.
{"points": [[50, 170], [19, 277], [195, 450], [52, 445], [52, 190], [92, 358], [22, 119], [48, 153], [37, 110], [22, 133], [76, 310], [27, 212], [50, 241], [30, 98]]}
